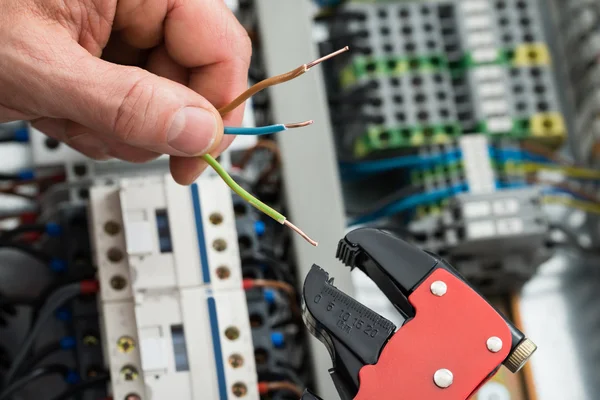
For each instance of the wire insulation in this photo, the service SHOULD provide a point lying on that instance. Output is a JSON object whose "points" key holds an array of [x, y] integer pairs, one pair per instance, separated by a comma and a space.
{"points": [[275, 80], [262, 130], [240, 191], [10, 390], [589, 207], [56, 300]]}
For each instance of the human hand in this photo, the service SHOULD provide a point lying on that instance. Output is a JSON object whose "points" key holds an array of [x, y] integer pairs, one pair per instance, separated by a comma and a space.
{"points": [[129, 79]]}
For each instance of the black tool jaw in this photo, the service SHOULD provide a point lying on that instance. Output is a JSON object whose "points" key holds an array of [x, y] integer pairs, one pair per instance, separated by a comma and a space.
{"points": [[395, 266], [353, 334]]}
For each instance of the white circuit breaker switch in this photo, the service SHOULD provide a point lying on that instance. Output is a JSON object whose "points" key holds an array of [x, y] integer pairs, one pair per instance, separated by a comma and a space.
{"points": [[477, 164], [153, 349], [139, 234]]}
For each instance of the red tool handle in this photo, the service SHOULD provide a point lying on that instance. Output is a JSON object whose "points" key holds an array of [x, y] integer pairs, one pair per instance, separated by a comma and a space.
{"points": [[452, 332]]}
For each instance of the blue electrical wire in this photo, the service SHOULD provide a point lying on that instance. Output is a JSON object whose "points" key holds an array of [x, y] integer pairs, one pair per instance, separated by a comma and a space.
{"points": [[388, 164], [261, 130], [410, 202]]}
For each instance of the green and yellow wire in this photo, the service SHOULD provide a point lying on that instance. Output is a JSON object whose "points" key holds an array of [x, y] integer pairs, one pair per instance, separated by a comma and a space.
{"points": [[585, 206], [240, 191]]}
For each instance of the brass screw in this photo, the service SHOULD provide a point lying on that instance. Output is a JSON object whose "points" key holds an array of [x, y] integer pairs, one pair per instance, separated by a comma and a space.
{"points": [[114, 254], [239, 389], [220, 245], [236, 360], [223, 272], [118, 282], [129, 373], [126, 344], [216, 218], [112, 228], [90, 340], [232, 333]]}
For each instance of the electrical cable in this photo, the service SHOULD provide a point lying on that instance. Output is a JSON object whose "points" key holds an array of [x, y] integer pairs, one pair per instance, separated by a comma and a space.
{"points": [[409, 203], [25, 228], [387, 164], [575, 172], [265, 130], [275, 80], [283, 286], [39, 356], [589, 207], [43, 298], [82, 387], [209, 159], [57, 299], [34, 375], [386, 200], [240, 191], [267, 387], [29, 250]]}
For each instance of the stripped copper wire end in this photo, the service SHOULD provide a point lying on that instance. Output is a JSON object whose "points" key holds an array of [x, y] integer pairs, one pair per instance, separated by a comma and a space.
{"points": [[327, 57], [299, 124], [300, 232]]}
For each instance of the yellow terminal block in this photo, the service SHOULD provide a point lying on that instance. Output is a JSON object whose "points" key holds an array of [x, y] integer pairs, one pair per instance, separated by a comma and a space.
{"points": [[531, 54], [548, 126]]}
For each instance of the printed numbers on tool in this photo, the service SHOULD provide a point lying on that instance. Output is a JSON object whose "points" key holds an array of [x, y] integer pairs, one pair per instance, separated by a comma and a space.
{"points": [[370, 331]]}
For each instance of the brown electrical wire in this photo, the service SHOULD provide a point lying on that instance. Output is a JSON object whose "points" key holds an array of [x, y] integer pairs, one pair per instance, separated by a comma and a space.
{"points": [[567, 186], [283, 286], [544, 151], [275, 80], [284, 385]]}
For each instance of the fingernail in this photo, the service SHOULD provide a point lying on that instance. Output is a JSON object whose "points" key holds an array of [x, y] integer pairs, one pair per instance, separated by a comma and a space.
{"points": [[193, 131]]}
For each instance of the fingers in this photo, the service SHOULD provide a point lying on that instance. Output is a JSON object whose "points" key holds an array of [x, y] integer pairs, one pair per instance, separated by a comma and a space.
{"points": [[141, 21], [161, 64], [205, 36], [186, 170], [137, 107]]}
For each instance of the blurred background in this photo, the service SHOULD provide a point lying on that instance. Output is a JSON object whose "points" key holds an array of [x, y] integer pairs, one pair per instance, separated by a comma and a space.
{"points": [[468, 127]]}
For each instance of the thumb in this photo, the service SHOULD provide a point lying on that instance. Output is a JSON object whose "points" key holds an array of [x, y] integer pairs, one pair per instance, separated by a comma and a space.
{"points": [[137, 107]]}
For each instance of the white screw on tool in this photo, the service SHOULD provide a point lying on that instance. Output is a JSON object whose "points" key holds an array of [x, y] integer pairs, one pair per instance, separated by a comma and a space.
{"points": [[494, 344], [439, 288], [443, 378]]}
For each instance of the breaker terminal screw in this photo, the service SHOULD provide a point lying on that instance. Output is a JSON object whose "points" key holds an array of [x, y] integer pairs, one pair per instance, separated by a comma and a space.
{"points": [[236, 360], [239, 389], [129, 373], [126, 344], [223, 272], [118, 282], [112, 228], [90, 340], [232, 333]]}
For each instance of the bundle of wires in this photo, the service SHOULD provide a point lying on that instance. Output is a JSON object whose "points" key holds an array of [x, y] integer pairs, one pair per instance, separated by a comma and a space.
{"points": [[55, 300], [527, 161], [239, 101]]}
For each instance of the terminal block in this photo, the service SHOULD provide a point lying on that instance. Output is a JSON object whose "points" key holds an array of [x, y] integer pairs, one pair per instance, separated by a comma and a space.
{"points": [[277, 353], [410, 110], [504, 221]]}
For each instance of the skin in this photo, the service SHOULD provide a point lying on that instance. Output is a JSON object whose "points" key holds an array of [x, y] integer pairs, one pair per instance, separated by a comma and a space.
{"points": [[125, 79]]}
